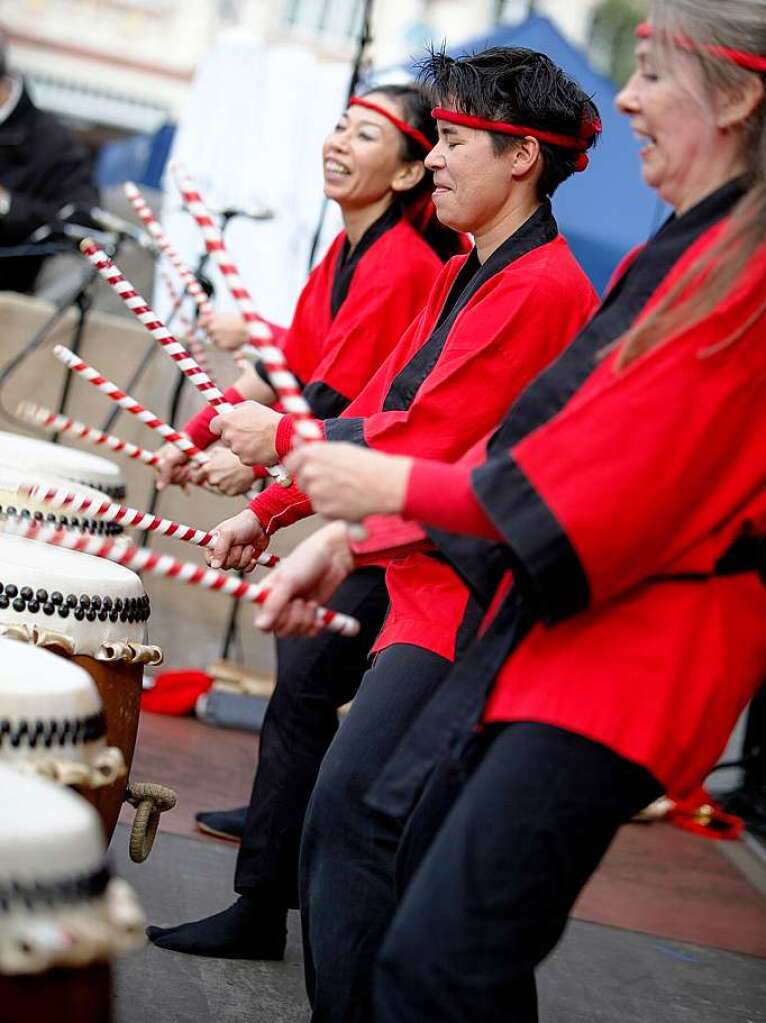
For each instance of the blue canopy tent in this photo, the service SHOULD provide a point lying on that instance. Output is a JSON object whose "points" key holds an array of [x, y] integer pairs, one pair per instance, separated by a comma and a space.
{"points": [[608, 209], [139, 158]]}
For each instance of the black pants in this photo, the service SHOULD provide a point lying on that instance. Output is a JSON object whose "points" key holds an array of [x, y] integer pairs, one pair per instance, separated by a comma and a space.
{"points": [[314, 678], [348, 850], [491, 896], [754, 746]]}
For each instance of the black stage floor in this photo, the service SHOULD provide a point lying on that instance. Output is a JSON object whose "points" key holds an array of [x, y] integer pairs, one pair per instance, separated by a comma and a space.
{"points": [[599, 974]]}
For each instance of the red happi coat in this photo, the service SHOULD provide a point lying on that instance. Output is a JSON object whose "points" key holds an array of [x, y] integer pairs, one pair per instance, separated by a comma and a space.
{"points": [[510, 327], [390, 284], [665, 468], [632, 519], [631, 506]]}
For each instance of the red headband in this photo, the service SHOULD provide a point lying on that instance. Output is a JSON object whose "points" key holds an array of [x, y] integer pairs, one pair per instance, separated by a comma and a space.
{"points": [[587, 131], [403, 127], [749, 61]]}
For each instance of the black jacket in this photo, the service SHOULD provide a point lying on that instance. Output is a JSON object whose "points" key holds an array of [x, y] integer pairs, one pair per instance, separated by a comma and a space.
{"points": [[44, 167]]}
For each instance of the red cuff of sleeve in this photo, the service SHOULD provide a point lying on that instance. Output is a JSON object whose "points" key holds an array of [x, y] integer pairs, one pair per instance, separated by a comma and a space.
{"points": [[277, 507], [285, 435], [198, 427], [441, 496], [260, 472], [387, 536]]}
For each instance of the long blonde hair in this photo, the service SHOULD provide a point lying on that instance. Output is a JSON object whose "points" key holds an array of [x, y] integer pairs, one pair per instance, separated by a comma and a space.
{"points": [[738, 25]]}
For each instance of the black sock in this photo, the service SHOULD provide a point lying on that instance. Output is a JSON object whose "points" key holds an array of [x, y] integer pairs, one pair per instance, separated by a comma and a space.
{"points": [[249, 929]]}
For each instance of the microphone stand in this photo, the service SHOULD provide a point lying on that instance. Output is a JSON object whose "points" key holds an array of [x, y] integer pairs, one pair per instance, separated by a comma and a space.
{"points": [[80, 297], [363, 41]]}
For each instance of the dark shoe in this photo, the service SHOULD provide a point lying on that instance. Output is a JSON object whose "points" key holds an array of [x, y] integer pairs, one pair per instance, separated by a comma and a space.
{"points": [[249, 929], [228, 824]]}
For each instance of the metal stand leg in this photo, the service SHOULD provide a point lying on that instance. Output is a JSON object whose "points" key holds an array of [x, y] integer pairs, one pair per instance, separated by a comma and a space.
{"points": [[83, 302]]}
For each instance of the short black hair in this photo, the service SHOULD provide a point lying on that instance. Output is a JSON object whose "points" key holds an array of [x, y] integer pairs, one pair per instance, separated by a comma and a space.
{"points": [[513, 83]]}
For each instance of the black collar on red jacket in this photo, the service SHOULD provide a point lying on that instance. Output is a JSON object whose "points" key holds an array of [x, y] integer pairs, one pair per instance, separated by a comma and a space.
{"points": [[537, 230], [348, 261]]}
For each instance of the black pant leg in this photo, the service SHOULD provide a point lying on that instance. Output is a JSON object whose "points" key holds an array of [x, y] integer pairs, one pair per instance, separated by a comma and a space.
{"points": [[754, 746], [491, 897], [348, 850], [315, 676]]}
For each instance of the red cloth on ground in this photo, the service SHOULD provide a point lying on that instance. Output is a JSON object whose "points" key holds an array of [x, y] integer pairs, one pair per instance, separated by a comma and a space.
{"points": [[175, 692]]}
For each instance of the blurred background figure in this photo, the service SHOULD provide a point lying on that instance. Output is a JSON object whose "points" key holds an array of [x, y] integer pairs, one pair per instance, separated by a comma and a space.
{"points": [[43, 167]]}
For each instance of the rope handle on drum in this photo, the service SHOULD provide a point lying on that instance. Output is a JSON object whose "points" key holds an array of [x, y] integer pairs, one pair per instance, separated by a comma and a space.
{"points": [[150, 800]]}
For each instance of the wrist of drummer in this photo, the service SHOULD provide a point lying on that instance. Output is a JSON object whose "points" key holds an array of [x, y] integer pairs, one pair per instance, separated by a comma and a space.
{"points": [[287, 432], [277, 507]]}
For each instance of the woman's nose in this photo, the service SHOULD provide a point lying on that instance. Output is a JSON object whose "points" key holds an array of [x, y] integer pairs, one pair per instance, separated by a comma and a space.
{"points": [[626, 99], [434, 159]]}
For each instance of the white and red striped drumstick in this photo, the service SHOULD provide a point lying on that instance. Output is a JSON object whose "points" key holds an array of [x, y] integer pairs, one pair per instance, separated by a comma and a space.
{"points": [[190, 282], [141, 559], [112, 391], [196, 349], [281, 378], [37, 415], [109, 511], [188, 366]]}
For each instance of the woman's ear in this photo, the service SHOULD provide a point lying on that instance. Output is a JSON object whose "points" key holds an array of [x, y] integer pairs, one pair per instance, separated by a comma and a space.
{"points": [[735, 106], [408, 175], [524, 156]]}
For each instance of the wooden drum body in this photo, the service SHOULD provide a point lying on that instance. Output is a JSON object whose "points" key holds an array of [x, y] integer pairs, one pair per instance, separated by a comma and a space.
{"points": [[67, 995], [93, 613], [119, 685], [63, 918]]}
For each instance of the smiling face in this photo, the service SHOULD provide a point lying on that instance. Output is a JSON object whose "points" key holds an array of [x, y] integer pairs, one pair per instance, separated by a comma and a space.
{"points": [[472, 184], [362, 156], [676, 128]]}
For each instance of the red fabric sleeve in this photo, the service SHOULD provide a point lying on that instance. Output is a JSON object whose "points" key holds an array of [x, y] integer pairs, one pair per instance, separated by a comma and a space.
{"points": [[197, 429], [441, 496], [388, 536], [277, 507], [285, 435], [642, 465]]}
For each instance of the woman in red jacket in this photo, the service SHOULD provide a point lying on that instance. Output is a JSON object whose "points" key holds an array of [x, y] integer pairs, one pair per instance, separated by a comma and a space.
{"points": [[620, 517], [374, 279]]}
